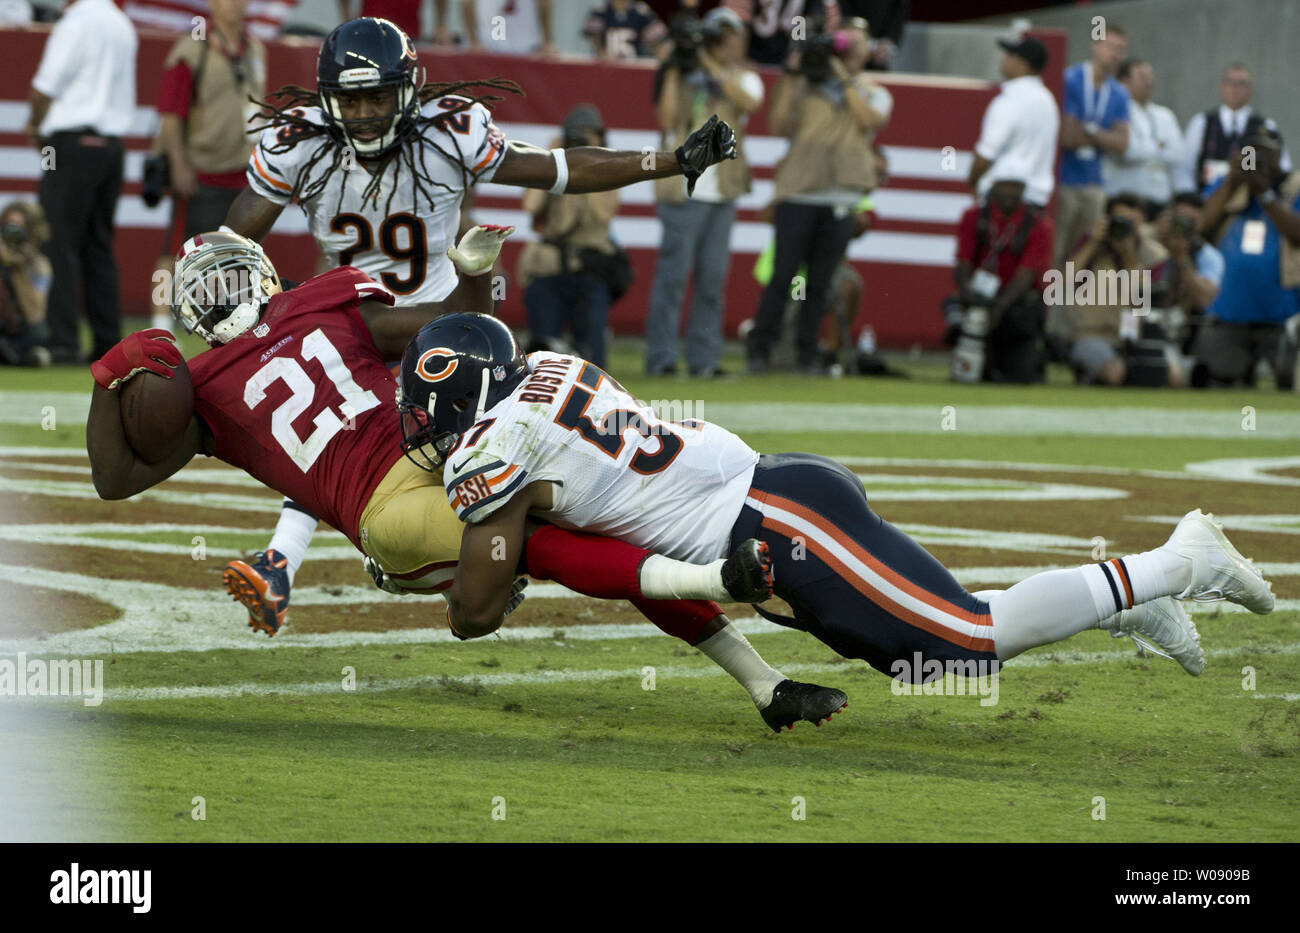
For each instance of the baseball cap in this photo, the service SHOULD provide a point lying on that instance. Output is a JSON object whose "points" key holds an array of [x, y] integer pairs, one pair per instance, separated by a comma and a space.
{"points": [[724, 16], [1028, 48]]}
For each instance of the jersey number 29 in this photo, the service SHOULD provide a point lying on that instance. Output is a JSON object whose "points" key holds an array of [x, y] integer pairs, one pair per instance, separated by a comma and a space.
{"points": [[315, 346]]}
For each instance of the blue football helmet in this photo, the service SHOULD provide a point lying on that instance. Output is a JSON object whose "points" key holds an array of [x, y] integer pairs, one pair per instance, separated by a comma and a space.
{"points": [[363, 54], [456, 368]]}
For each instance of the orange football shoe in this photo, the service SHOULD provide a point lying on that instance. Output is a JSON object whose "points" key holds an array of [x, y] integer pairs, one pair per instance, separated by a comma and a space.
{"points": [[263, 588]]}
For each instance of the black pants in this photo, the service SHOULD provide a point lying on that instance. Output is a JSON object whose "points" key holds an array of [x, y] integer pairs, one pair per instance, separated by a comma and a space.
{"points": [[855, 581], [79, 195], [805, 234]]}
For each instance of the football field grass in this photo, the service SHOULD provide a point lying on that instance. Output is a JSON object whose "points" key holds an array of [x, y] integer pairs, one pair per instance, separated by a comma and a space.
{"points": [[365, 720]]}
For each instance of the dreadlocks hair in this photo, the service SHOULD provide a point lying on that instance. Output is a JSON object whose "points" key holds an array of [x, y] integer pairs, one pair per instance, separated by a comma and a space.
{"points": [[284, 108]]}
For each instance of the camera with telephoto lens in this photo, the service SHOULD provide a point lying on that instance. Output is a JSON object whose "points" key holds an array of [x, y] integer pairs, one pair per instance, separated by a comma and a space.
{"points": [[14, 235], [156, 178], [1120, 228], [815, 52], [689, 34]]}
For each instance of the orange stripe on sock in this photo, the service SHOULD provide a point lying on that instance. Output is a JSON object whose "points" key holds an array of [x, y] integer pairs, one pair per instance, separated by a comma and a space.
{"points": [[1123, 578]]}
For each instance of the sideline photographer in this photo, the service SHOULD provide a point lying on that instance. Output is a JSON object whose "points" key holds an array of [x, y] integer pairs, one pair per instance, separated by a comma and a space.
{"points": [[830, 110], [24, 285], [576, 271], [1189, 282], [995, 321], [704, 74], [1110, 340], [204, 139], [1253, 215]]}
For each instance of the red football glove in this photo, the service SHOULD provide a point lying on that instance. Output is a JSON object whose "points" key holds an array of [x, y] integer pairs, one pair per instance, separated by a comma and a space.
{"points": [[150, 350]]}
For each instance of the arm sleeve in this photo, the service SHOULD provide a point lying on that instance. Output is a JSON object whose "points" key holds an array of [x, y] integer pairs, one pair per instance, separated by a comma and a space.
{"points": [[1073, 104], [478, 143], [480, 482], [966, 235], [1117, 106], [271, 175], [1185, 174], [1210, 264], [59, 59], [1172, 136], [995, 131], [175, 90]]}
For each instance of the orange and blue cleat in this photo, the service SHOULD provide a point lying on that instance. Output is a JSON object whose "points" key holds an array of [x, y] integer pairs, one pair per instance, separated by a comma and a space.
{"points": [[263, 588]]}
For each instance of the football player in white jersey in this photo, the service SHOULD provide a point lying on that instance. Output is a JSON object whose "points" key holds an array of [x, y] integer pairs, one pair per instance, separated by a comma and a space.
{"points": [[558, 438], [380, 161]]}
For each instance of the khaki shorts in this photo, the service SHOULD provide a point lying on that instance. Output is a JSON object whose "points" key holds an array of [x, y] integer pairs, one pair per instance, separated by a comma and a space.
{"points": [[409, 528]]}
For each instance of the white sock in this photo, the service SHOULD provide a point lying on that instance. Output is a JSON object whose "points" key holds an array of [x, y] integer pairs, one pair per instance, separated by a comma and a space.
{"points": [[292, 537], [1161, 572], [664, 578], [1049, 607], [732, 652]]}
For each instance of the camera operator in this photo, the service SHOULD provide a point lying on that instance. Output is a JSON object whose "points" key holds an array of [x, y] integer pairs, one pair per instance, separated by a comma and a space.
{"points": [[1192, 276], [1253, 214], [1106, 319], [696, 237], [572, 275], [830, 110], [24, 285], [995, 321], [203, 102]]}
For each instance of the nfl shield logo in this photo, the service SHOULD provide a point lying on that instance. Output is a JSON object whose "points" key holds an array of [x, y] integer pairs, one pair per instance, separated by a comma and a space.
{"points": [[261, 330], [498, 373]]}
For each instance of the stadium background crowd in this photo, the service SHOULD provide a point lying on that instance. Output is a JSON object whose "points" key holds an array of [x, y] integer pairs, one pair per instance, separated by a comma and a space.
{"points": [[1105, 181]]}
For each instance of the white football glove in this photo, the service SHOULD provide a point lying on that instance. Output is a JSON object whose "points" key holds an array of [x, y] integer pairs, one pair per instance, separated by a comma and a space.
{"points": [[478, 249], [371, 566]]}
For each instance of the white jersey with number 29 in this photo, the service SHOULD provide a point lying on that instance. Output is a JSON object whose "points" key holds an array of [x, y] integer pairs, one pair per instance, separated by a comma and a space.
{"points": [[675, 488], [406, 249]]}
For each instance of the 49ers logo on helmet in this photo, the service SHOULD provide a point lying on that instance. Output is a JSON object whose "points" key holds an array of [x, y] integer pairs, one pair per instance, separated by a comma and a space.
{"points": [[429, 359]]}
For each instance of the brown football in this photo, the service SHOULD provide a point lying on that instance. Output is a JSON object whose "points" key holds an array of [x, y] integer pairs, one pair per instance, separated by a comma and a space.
{"points": [[156, 411]]}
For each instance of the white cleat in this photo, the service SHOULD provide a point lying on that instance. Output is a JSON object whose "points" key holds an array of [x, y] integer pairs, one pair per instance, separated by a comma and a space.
{"points": [[1163, 627], [1218, 569]]}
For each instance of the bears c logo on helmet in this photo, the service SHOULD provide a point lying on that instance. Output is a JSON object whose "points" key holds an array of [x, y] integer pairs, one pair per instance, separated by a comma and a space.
{"points": [[429, 358]]}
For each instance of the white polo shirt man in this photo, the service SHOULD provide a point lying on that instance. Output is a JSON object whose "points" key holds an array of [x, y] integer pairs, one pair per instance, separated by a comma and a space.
{"points": [[1020, 125], [88, 70], [83, 102]]}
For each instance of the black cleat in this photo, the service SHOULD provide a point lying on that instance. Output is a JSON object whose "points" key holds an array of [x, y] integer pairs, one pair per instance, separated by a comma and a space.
{"points": [[747, 573], [793, 702]]}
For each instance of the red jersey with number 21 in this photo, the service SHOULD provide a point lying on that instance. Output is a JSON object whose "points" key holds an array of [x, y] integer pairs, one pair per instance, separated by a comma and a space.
{"points": [[303, 401]]}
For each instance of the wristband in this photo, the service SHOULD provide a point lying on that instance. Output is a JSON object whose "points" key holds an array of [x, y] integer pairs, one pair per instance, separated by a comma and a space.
{"points": [[561, 171]]}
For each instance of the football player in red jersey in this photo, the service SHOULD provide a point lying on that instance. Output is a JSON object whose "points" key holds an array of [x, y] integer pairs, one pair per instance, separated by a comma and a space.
{"points": [[295, 392]]}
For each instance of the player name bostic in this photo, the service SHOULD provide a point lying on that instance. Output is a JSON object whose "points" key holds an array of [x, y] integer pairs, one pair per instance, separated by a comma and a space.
{"points": [[548, 377]]}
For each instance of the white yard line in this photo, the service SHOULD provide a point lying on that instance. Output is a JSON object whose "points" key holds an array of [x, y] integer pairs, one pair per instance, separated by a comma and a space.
{"points": [[169, 619]]}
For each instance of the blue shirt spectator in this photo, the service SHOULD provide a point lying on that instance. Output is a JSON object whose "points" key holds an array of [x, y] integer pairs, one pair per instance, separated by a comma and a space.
{"points": [[1089, 104], [1251, 291]]}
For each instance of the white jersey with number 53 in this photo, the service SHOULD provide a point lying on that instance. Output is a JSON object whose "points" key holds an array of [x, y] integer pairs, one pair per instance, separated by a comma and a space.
{"points": [[400, 240], [617, 469]]}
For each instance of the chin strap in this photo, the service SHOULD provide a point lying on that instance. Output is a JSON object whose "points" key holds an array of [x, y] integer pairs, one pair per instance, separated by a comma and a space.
{"points": [[482, 397]]}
